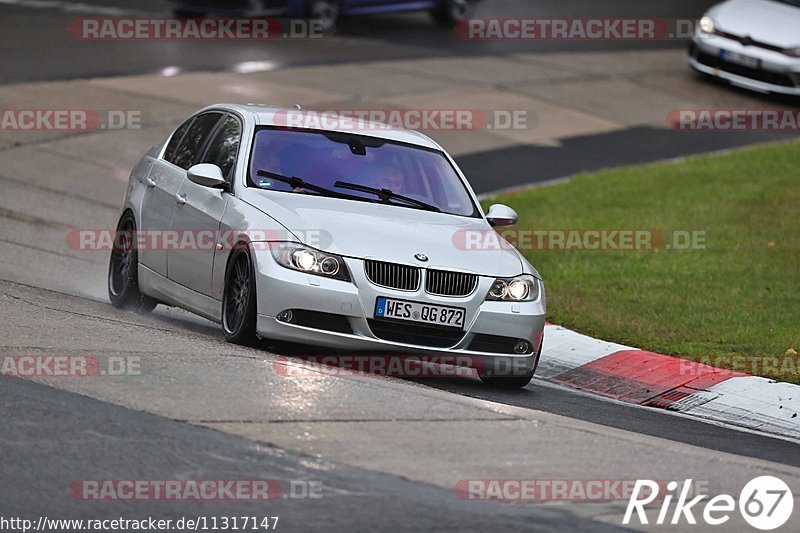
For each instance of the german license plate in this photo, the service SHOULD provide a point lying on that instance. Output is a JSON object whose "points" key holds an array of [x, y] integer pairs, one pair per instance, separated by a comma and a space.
{"points": [[739, 59], [439, 315]]}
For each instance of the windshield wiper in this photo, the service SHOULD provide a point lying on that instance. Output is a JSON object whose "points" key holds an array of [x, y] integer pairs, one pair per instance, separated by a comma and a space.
{"points": [[385, 195], [298, 183]]}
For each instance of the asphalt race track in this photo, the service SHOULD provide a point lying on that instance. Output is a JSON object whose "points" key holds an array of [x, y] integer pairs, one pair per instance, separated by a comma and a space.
{"points": [[43, 50], [51, 432], [191, 381], [49, 52]]}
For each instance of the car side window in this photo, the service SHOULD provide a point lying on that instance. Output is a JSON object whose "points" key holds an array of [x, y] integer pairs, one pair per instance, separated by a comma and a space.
{"points": [[194, 139], [224, 146], [172, 146]]}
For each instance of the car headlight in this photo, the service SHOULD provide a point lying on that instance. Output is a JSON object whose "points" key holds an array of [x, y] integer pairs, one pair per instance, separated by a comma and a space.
{"points": [[304, 259], [707, 24], [523, 288]]}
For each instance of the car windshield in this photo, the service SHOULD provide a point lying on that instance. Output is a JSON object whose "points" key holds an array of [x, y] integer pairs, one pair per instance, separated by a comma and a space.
{"points": [[355, 167], [795, 3]]}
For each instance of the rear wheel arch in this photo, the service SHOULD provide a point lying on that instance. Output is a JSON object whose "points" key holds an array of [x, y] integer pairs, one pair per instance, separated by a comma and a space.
{"points": [[123, 282]]}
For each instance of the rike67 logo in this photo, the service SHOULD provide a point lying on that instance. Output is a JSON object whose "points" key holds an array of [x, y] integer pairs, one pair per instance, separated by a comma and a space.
{"points": [[765, 503]]}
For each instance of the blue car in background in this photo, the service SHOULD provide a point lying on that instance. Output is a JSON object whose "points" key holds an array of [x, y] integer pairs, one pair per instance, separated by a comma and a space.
{"points": [[444, 12]]}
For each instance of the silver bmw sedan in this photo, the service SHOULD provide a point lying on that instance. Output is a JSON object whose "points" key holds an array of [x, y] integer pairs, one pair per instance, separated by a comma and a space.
{"points": [[360, 238]]}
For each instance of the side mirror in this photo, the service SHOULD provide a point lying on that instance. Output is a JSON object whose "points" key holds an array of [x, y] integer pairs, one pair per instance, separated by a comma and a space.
{"points": [[501, 215], [207, 175]]}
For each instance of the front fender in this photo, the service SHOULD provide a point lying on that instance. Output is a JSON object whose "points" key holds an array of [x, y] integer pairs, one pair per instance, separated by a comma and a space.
{"points": [[243, 223]]}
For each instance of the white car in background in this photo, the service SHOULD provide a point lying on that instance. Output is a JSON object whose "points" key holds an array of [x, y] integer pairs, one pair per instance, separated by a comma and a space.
{"points": [[387, 275], [754, 44]]}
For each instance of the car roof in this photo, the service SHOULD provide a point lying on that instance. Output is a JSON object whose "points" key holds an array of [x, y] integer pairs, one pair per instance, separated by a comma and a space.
{"points": [[269, 115]]}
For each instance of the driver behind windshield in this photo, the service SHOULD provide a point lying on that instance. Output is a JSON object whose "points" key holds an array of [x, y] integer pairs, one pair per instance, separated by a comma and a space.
{"points": [[390, 177]]}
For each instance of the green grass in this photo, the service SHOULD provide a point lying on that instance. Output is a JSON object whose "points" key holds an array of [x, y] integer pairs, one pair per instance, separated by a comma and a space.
{"points": [[739, 296]]}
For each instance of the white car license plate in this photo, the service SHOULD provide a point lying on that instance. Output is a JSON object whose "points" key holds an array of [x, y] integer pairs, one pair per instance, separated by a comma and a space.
{"points": [[439, 315], [739, 59]]}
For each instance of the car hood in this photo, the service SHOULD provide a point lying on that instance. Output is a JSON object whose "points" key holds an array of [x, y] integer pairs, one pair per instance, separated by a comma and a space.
{"points": [[387, 233], [767, 21]]}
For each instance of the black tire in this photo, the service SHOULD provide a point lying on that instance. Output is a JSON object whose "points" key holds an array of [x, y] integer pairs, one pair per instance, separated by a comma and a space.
{"points": [[123, 270], [326, 11], [512, 382], [187, 14], [239, 299], [451, 12]]}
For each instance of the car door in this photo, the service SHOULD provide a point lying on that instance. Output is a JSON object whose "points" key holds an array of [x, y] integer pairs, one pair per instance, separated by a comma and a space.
{"points": [[162, 181], [200, 209]]}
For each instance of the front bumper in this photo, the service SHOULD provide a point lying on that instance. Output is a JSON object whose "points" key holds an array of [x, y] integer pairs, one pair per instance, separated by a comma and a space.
{"points": [[280, 289], [776, 73]]}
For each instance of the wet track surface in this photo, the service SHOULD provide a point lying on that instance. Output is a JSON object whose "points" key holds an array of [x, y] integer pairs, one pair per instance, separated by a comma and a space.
{"points": [[504, 168], [50, 434], [543, 396], [44, 50], [539, 395]]}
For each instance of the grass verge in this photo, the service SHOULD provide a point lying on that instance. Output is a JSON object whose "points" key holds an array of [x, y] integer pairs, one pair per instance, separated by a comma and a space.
{"points": [[734, 303]]}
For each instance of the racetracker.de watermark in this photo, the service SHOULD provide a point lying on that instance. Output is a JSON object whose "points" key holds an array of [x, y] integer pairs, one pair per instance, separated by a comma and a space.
{"points": [[734, 119], [598, 239], [210, 29], [251, 490], [786, 364], [107, 239], [23, 120], [409, 119], [575, 29], [60, 366], [546, 490], [397, 365]]}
